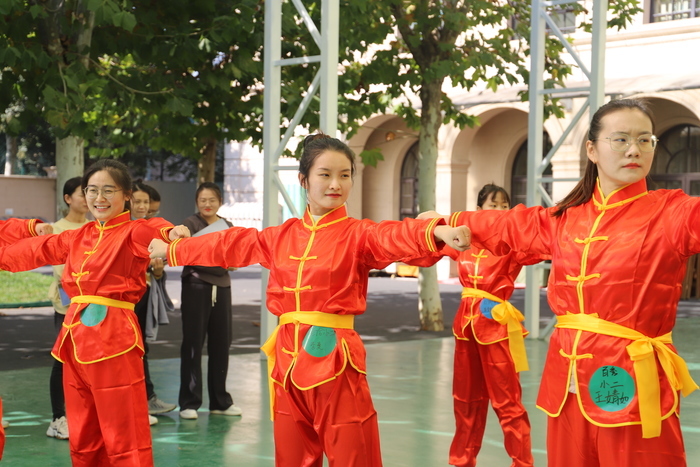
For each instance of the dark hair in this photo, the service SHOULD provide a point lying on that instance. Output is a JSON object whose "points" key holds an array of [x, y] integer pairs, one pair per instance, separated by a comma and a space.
{"points": [[209, 186], [71, 185], [152, 192], [489, 190], [315, 145], [118, 171], [583, 191], [148, 189]]}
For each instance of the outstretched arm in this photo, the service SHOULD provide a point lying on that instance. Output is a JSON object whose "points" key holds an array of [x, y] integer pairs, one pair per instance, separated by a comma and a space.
{"points": [[12, 230]]}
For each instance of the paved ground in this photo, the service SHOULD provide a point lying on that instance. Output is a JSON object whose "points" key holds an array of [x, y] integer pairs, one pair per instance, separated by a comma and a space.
{"points": [[27, 335]]}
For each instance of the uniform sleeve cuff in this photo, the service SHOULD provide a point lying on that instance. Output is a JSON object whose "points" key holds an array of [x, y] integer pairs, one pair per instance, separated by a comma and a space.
{"points": [[172, 258], [430, 233]]}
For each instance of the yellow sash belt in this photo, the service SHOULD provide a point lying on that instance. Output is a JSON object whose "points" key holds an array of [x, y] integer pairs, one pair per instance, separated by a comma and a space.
{"points": [[311, 318], [505, 313], [641, 351], [97, 300]]}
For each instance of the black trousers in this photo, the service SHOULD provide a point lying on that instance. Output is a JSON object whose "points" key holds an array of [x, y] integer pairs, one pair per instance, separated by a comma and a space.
{"points": [[140, 310], [58, 400], [203, 320]]}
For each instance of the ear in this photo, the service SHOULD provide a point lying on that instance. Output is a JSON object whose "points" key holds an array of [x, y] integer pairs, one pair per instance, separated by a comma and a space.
{"points": [[67, 199], [302, 181], [591, 151]]}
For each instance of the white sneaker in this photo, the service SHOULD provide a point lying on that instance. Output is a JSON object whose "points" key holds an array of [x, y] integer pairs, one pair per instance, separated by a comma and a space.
{"points": [[58, 429], [189, 414], [5, 423], [233, 410], [152, 420]]}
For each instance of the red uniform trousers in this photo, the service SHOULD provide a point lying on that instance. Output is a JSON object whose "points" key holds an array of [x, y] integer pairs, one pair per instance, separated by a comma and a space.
{"points": [[2, 432], [483, 373], [573, 441], [337, 418], [107, 411]]}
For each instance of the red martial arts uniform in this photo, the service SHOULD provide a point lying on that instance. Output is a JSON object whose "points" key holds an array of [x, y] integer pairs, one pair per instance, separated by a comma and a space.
{"points": [[318, 282], [612, 377], [100, 343], [483, 367], [12, 230]]}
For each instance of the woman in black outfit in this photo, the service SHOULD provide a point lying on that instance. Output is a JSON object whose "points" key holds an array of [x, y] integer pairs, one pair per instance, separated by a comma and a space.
{"points": [[206, 313]]}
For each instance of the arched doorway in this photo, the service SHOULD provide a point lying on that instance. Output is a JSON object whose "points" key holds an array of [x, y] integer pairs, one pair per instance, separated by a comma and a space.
{"points": [[408, 205], [677, 166], [677, 160], [518, 180]]}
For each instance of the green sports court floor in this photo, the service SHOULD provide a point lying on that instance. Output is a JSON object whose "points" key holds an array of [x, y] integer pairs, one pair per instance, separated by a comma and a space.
{"points": [[411, 388]]}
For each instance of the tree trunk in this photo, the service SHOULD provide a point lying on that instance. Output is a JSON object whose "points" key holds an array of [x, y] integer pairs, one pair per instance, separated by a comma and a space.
{"points": [[206, 166], [70, 162], [429, 303], [10, 154]]}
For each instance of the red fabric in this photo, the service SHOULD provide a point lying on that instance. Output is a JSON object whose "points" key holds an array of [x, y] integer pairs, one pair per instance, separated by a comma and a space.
{"points": [[623, 258], [105, 260], [322, 267], [479, 269], [337, 418], [484, 373], [574, 442], [103, 372], [12, 230], [107, 412], [2, 432]]}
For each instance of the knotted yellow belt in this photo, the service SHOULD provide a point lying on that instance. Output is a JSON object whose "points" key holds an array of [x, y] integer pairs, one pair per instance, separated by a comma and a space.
{"points": [[505, 313], [311, 318], [641, 351], [97, 300]]}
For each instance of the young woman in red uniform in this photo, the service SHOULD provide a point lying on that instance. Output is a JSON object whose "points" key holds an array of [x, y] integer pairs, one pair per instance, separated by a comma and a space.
{"points": [[12, 230], [489, 350], [612, 377], [319, 267], [100, 343]]}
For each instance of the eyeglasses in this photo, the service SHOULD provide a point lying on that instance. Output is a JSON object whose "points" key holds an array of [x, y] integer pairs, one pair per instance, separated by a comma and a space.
{"points": [[622, 141], [92, 192]]}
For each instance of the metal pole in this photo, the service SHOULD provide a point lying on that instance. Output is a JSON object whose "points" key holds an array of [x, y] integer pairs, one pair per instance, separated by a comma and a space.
{"points": [[600, 25], [534, 153], [271, 139], [330, 22]]}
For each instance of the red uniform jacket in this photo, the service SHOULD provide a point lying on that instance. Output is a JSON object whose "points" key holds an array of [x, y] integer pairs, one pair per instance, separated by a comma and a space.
{"points": [[623, 258], [104, 260], [479, 269], [318, 266]]}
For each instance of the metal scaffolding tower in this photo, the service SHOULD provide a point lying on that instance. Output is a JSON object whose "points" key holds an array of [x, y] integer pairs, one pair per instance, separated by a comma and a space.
{"points": [[274, 143], [543, 24]]}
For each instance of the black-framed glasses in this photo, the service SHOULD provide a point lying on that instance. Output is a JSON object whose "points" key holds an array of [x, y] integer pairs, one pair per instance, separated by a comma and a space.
{"points": [[92, 192], [622, 141]]}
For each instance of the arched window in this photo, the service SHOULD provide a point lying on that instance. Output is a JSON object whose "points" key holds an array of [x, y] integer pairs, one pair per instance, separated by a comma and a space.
{"points": [[518, 180], [408, 206], [677, 160]]}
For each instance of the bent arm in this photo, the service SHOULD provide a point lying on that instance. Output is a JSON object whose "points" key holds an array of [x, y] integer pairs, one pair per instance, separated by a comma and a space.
{"points": [[524, 230]]}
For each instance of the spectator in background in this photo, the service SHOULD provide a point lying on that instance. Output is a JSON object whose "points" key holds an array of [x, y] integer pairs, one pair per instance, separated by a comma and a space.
{"points": [[145, 312], [206, 314], [75, 218]]}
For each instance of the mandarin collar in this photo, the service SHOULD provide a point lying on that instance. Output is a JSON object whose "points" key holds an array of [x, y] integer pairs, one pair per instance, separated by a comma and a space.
{"points": [[115, 221], [620, 196], [336, 214]]}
